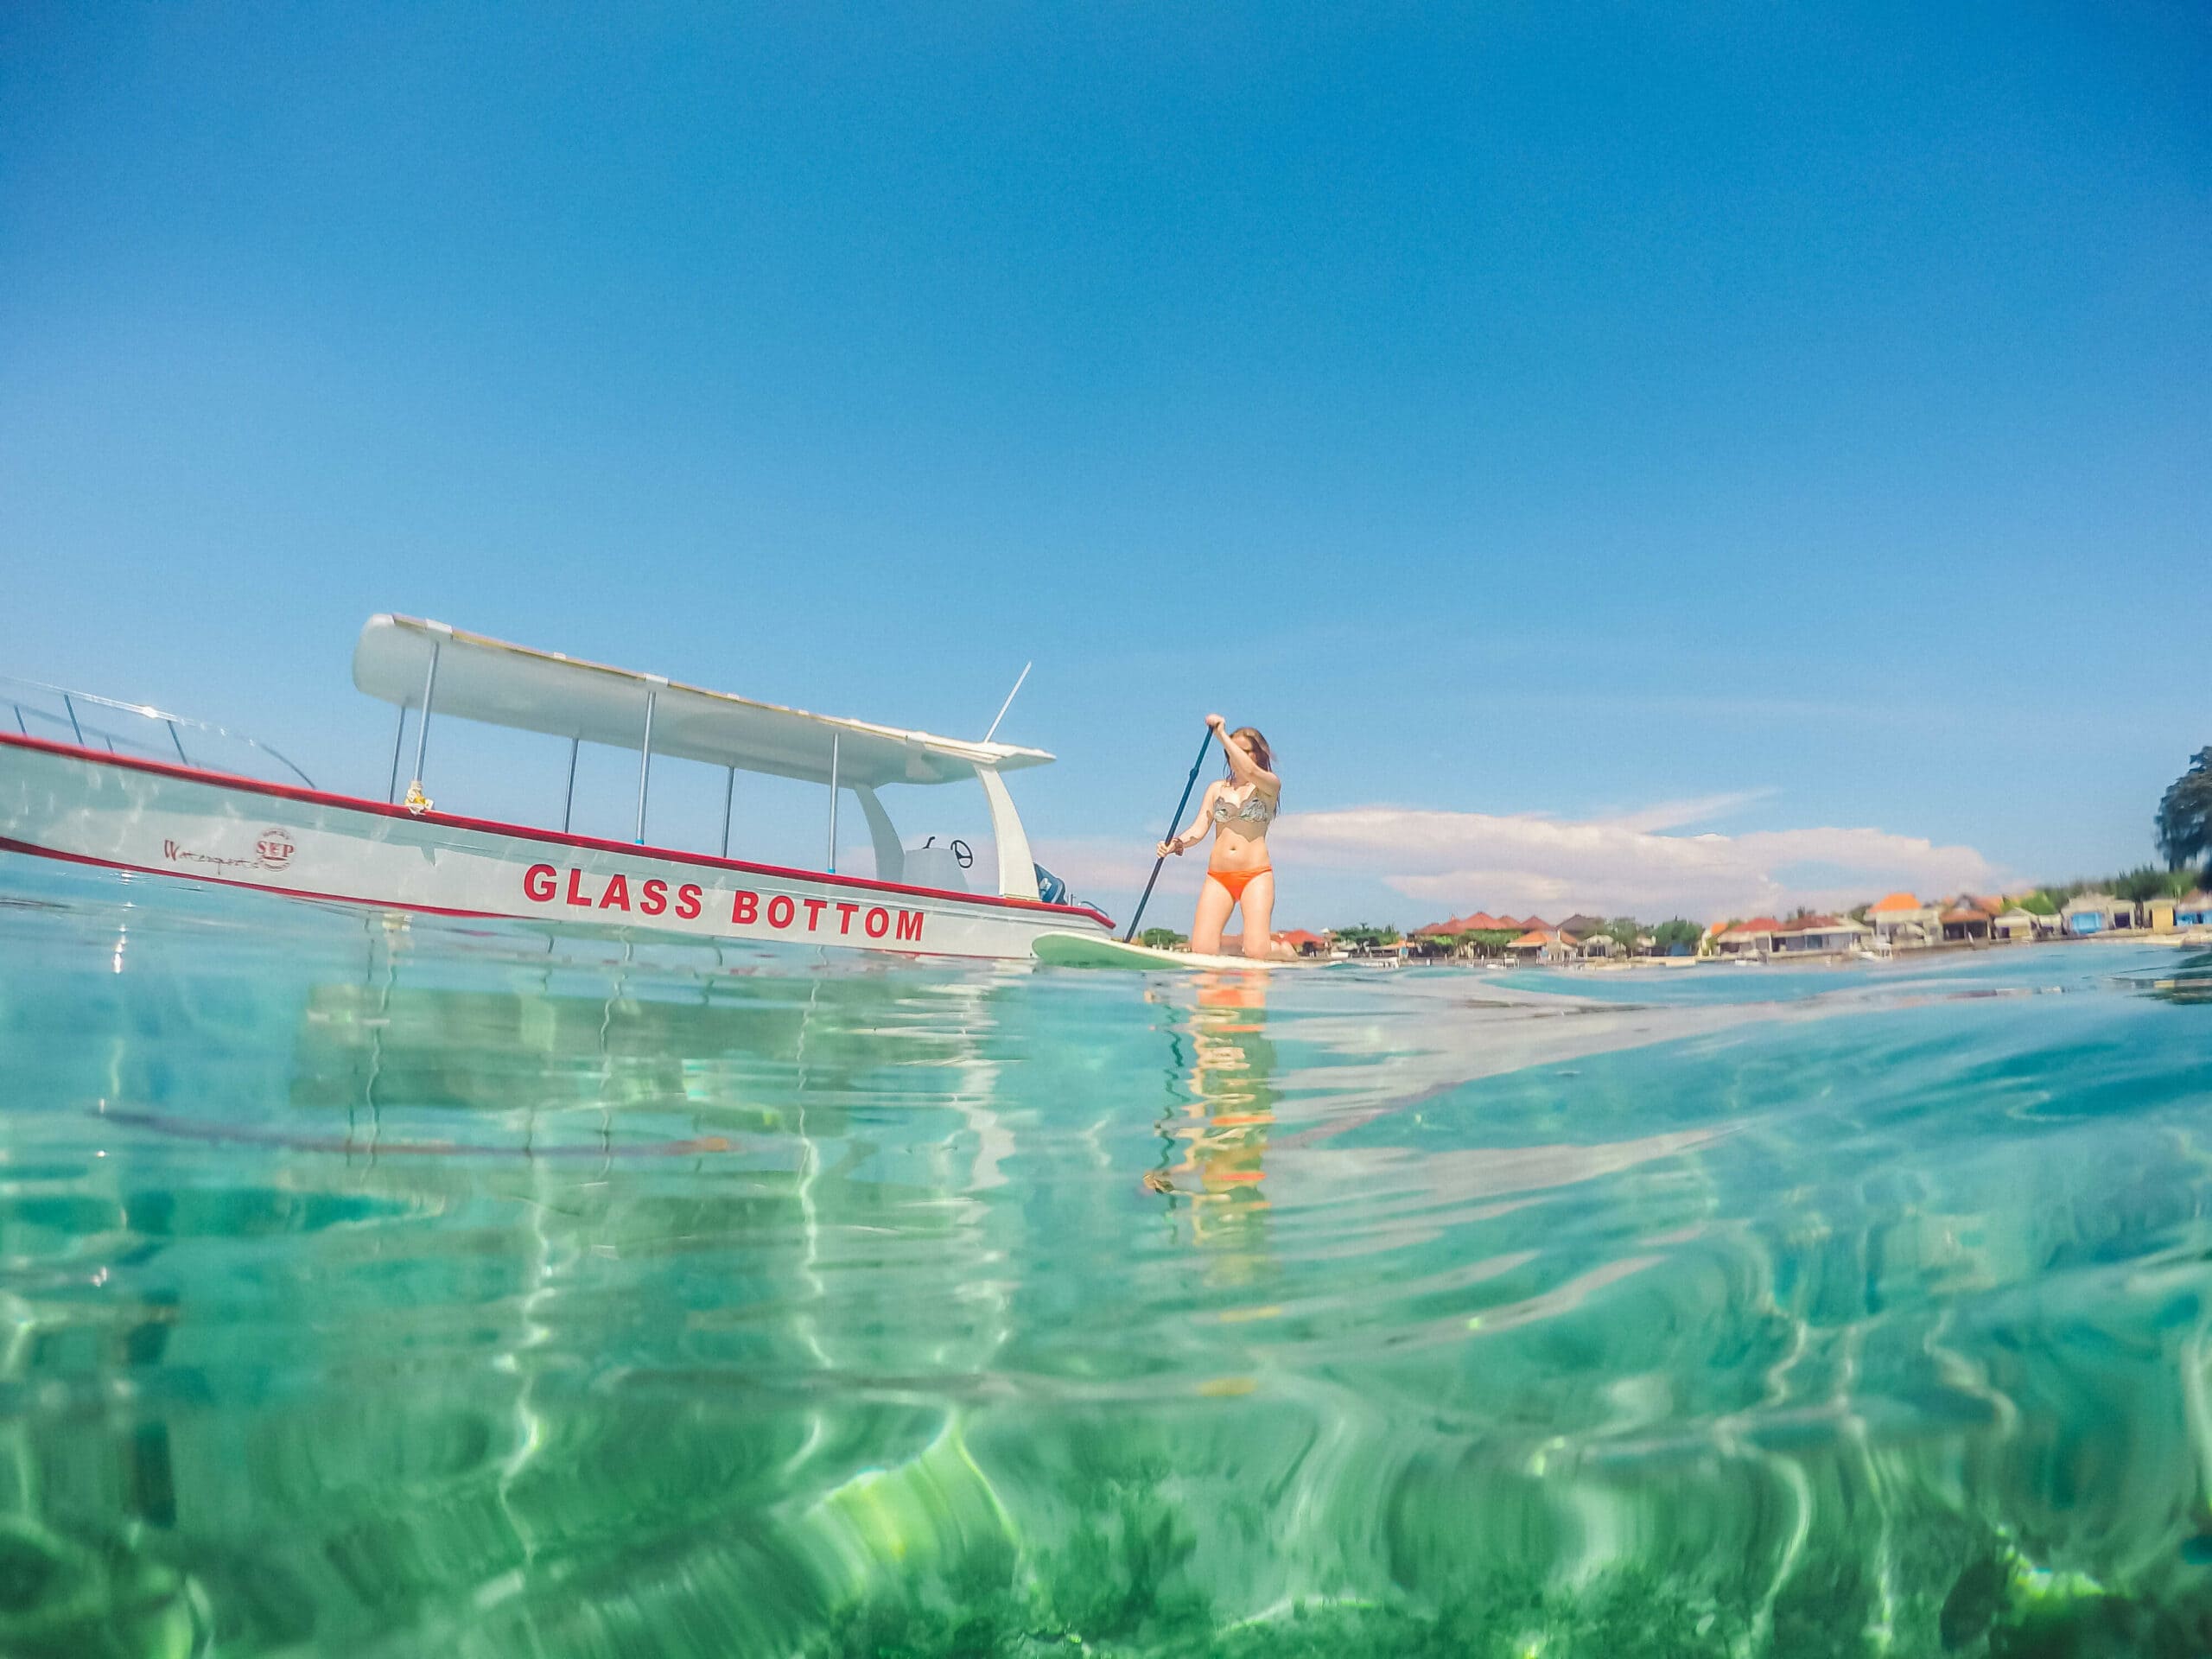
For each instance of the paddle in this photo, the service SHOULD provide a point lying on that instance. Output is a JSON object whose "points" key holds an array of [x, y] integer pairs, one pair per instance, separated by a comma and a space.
{"points": [[1205, 743]]}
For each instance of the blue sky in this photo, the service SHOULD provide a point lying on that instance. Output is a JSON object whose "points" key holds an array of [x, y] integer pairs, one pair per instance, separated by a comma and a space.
{"points": [[1567, 433]]}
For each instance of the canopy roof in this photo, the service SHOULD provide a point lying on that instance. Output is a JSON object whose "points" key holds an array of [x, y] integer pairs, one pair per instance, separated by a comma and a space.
{"points": [[486, 679]]}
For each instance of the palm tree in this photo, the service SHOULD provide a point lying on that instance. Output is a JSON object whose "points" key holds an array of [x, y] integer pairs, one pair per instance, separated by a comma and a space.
{"points": [[2185, 814]]}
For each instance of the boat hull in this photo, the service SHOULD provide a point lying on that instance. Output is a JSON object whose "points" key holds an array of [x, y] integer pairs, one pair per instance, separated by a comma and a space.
{"points": [[57, 801]]}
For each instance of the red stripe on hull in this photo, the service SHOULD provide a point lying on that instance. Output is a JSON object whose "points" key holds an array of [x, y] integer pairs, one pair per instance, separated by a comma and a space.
{"points": [[520, 832]]}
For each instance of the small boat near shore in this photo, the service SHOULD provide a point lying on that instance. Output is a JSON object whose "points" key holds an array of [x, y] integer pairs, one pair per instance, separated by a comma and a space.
{"points": [[70, 801]]}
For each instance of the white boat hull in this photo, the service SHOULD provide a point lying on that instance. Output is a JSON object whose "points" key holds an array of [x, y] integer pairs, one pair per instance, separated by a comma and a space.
{"points": [[59, 802]]}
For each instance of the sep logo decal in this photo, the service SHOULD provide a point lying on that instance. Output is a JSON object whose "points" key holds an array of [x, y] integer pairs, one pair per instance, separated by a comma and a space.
{"points": [[272, 850]]}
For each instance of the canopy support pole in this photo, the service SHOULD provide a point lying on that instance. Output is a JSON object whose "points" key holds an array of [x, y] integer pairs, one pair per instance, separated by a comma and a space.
{"points": [[646, 763], [831, 865], [729, 800], [1017, 873], [890, 856], [73, 725], [429, 690], [568, 801], [398, 743]]}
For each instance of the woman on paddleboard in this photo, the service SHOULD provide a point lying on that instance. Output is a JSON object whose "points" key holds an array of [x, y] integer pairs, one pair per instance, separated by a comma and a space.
{"points": [[1236, 811]]}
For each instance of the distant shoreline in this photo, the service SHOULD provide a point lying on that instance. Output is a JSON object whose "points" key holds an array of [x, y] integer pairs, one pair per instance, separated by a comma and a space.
{"points": [[2198, 939]]}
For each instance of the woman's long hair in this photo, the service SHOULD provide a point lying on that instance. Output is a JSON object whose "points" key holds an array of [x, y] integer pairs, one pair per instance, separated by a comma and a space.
{"points": [[1262, 756]]}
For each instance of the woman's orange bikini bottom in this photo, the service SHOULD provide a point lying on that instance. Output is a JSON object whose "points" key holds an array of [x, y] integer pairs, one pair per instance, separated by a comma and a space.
{"points": [[1236, 880]]}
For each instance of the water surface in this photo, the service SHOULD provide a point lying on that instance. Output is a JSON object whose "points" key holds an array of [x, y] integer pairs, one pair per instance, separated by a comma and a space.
{"points": [[381, 1286]]}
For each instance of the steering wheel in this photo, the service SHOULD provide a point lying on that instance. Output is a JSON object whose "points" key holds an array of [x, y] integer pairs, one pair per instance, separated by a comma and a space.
{"points": [[962, 855]]}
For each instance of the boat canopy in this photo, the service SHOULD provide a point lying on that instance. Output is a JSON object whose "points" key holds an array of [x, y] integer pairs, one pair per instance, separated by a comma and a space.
{"points": [[485, 679]]}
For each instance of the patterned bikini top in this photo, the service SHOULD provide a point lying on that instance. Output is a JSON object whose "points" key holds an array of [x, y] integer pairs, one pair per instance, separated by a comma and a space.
{"points": [[1251, 810]]}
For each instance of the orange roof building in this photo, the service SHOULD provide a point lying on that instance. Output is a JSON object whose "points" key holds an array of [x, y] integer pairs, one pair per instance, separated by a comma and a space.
{"points": [[1479, 921], [1895, 902]]}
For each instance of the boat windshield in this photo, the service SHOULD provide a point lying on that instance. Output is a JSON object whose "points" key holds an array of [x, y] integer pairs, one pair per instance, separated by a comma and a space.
{"points": [[62, 714]]}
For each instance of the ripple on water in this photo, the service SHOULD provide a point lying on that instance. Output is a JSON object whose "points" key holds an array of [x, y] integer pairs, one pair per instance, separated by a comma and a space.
{"points": [[382, 1287]]}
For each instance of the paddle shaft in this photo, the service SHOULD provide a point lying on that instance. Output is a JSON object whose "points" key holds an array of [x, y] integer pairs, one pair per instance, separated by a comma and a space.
{"points": [[1205, 744]]}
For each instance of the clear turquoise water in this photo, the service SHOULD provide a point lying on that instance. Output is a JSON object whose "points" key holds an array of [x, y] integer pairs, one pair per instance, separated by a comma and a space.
{"points": [[383, 1288]]}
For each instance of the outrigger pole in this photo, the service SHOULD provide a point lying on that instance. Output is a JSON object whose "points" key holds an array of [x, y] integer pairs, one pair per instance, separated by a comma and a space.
{"points": [[1204, 744], [1008, 703]]}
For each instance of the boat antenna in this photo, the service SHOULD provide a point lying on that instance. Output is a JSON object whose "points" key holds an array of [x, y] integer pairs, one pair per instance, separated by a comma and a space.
{"points": [[1008, 703]]}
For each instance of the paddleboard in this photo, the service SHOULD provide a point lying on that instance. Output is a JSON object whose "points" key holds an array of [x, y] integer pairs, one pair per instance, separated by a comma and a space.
{"points": [[1088, 950]]}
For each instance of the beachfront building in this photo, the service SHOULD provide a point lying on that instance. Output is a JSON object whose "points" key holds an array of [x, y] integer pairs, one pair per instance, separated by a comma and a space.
{"points": [[2018, 923], [1901, 922], [1452, 936], [1307, 943], [1596, 946], [1540, 944], [2158, 915], [2193, 910], [2097, 913], [1456, 935], [1966, 923], [1820, 936], [1431, 938], [1751, 938]]}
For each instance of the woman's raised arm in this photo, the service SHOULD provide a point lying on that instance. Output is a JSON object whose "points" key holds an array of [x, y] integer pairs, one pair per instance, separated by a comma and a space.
{"points": [[1246, 769]]}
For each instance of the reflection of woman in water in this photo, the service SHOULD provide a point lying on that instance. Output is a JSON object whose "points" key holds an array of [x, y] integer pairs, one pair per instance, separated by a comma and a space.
{"points": [[1236, 811], [1225, 1126]]}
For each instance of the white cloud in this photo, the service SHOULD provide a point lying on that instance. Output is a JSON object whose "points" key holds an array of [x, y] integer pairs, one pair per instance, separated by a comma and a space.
{"points": [[1621, 865], [1676, 814]]}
